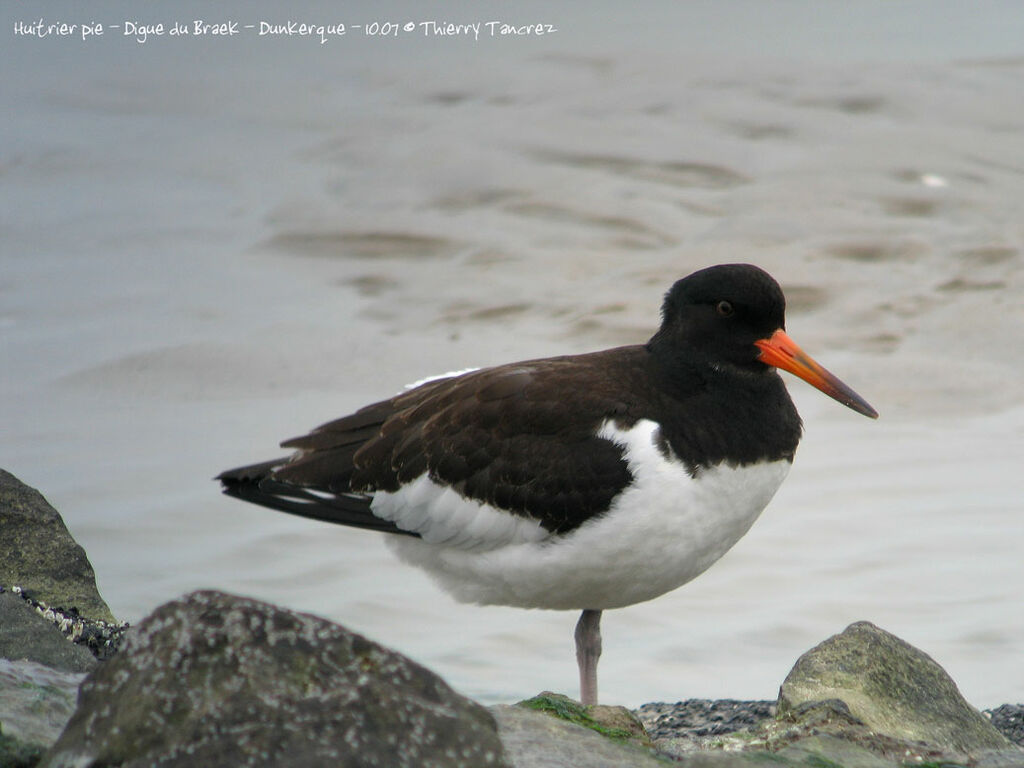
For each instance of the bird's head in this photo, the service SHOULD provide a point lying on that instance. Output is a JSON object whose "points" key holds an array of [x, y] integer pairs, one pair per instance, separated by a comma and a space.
{"points": [[731, 318]]}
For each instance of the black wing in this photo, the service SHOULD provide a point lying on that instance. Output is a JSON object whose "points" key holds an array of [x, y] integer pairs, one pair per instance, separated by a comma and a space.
{"points": [[520, 437]]}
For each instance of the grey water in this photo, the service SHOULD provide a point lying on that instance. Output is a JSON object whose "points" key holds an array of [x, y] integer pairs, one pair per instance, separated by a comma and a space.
{"points": [[210, 244]]}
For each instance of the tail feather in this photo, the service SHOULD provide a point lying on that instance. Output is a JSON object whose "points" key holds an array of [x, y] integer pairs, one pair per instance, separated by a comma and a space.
{"points": [[256, 483]]}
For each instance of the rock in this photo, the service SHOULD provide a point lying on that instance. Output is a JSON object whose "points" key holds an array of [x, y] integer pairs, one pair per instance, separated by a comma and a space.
{"points": [[17, 754], [828, 715], [35, 705], [738, 760], [1008, 719], [892, 687], [824, 734], [615, 723], [218, 680], [24, 634], [614, 719], [828, 750], [533, 738], [38, 554], [1002, 758], [100, 638], [702, 718], [827, 732]]}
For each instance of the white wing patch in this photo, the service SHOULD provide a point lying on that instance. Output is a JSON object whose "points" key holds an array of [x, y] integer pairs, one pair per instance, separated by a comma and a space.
{"points": [[450, 375], [442, 517]]}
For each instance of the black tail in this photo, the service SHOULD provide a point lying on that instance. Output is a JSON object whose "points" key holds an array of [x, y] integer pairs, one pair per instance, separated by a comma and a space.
{"points": [[256, 483]]}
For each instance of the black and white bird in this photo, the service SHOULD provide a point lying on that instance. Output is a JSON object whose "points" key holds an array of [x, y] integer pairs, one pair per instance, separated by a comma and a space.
{"points": [[584, 482]]}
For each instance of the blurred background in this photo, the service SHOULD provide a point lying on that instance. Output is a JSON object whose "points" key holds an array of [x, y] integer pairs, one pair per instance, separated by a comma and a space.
{"points": [[208, 245]]}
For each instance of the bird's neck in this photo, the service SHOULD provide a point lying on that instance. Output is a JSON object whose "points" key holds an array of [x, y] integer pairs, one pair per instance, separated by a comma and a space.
{"points": [[712, 413]]}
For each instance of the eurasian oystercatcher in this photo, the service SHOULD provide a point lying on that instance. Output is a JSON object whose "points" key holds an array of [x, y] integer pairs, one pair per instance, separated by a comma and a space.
{"points": [[582, 482]]}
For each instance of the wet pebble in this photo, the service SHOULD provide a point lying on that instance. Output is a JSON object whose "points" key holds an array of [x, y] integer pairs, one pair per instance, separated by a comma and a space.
{"points": [[101, 638], [702, 717]]}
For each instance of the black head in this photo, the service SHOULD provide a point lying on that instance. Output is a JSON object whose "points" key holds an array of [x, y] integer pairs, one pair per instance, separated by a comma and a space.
{"points": [[729, 320], [713, 317]]}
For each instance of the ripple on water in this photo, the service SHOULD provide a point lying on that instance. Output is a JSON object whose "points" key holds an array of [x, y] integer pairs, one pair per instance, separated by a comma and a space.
{"points": [[912, 207], [362, 245], [674, 172], [876, 250]]}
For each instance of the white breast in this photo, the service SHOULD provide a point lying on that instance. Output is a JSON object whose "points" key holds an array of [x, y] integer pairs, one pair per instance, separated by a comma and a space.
{"points": [[662, 531]]}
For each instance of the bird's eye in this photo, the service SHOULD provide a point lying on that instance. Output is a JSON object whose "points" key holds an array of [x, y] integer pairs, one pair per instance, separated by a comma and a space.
{"points": [[725, 309]]}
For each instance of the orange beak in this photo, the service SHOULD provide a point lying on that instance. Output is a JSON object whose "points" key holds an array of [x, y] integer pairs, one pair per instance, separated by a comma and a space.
{"points": [[782, 352]]}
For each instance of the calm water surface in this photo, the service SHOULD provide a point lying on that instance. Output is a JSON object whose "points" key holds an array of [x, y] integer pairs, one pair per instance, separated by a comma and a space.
{"points": [[207, 246]]}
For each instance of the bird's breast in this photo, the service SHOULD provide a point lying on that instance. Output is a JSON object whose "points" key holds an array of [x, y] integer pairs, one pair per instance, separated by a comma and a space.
{"points": [[665, 528], [671, 523]]}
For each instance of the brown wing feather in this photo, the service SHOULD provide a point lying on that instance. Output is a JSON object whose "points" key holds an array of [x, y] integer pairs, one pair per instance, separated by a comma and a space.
{"points": [[501, 435]]}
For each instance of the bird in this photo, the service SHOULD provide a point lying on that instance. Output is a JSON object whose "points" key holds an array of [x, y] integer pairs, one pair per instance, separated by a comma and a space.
{"points": [[583, 482]]}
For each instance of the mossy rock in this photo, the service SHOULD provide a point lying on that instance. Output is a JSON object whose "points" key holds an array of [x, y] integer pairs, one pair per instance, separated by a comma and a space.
{"points": [[545, 733], [892, 687], [18, 754], [615, 723], [38, 554], [219, 680]]}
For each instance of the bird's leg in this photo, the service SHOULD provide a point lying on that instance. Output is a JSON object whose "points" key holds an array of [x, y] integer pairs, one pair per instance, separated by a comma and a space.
{"points": [[588, 651]]}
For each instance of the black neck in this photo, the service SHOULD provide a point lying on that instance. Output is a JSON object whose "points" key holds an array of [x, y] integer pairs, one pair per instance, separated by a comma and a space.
{"points": [[712, 413]]}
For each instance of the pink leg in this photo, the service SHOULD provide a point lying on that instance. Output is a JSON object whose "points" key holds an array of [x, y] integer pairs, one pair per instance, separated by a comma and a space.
{"points": [[588, 651]]}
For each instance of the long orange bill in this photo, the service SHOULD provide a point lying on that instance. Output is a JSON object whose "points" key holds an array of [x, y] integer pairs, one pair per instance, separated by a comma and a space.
{"points": [[782, 352]]}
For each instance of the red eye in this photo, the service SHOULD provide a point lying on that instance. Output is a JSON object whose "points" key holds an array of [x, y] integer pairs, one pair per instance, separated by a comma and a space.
{"points": [[725, 309]]}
